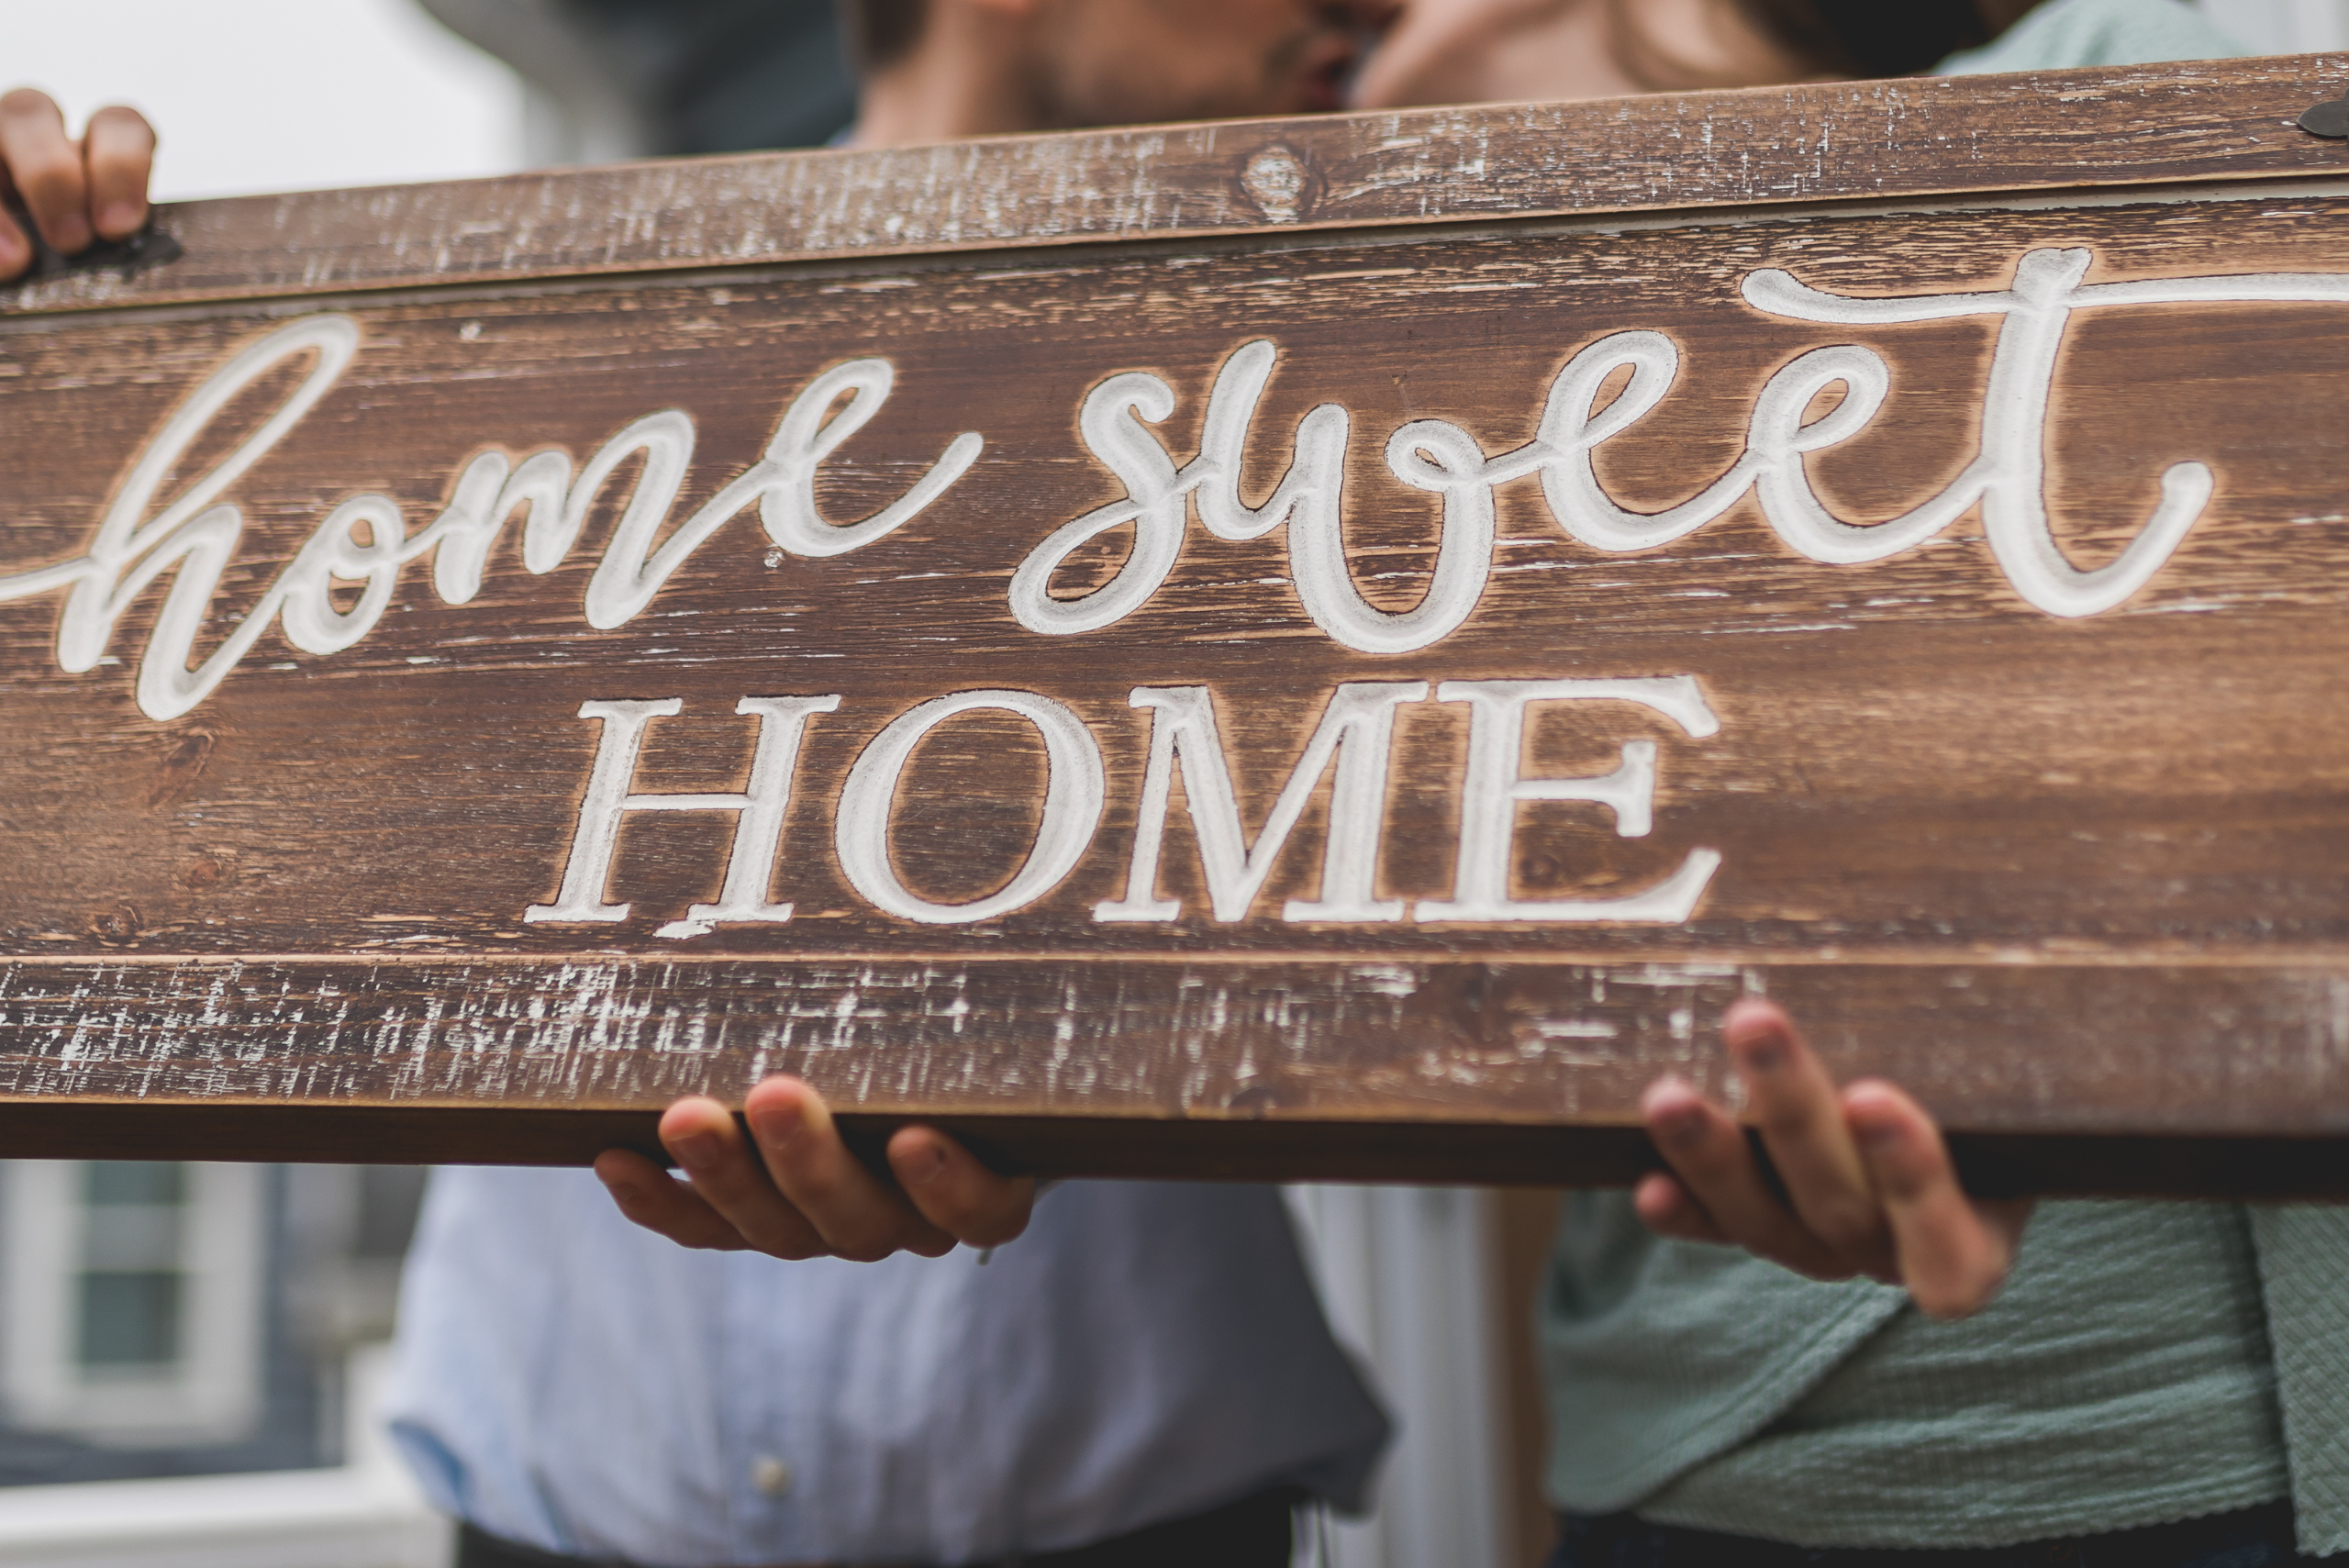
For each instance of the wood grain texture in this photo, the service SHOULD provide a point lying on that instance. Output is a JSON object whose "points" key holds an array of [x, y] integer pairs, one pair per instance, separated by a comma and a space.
{"points": [[2103, 129], [1529, 1043], [2078, 881]]}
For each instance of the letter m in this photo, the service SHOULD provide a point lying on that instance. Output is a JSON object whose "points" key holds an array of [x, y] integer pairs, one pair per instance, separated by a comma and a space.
{"points": [[1357, 727]]}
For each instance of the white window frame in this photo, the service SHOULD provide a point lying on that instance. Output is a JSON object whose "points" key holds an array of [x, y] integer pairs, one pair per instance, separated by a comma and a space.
{"points": [[212, 1393]]}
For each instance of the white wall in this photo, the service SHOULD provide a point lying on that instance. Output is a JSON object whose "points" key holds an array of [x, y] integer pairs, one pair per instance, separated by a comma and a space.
{"points": [[2282, 27], [274, 95]]}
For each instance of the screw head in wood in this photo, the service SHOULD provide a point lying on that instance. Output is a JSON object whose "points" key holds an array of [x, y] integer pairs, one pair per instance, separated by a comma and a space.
{"points": [[2328, 119]]}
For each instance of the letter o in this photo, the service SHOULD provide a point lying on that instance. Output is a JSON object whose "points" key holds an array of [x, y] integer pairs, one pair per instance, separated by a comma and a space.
{"points": [[1073, 791], [334, 554]]}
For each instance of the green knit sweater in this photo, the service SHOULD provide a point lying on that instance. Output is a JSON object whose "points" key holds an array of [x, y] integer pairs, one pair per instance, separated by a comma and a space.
{"points": [[2147, 1362], [2123, 1378]]}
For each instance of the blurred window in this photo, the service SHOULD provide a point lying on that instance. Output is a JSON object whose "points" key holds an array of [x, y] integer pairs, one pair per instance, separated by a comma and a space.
{"points": [[135, 1296], [133, 1223]]}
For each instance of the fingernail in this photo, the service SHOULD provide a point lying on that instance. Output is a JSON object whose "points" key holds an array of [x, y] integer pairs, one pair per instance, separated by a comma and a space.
{"points": [[1878, 1135], [779, 1124], [923, 1168], [695, 1150], [1678, 1123], [1763, 1056], [120, 217]]}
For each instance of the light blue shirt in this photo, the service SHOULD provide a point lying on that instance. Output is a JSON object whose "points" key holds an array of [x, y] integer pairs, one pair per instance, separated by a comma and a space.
{"points": [[1145, 1351]]}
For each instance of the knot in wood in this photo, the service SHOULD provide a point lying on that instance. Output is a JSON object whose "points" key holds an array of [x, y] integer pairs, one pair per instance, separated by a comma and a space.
{"points": [[1275, 180]]}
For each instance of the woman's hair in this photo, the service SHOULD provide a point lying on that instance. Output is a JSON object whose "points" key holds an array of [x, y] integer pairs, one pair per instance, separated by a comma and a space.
{"points": [[880, 33]]}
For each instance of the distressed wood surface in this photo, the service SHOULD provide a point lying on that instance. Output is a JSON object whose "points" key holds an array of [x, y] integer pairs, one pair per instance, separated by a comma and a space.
{"points": [[1504, 1071], [2100, 128], [2076, 879]]}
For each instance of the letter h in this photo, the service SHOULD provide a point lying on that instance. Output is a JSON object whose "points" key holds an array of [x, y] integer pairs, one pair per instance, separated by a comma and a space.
{"points": [[758, 827]]}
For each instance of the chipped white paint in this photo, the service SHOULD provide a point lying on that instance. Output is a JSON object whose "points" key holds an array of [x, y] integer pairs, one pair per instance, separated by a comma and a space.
{"points": [[1151, 1040], [1275, 180]]}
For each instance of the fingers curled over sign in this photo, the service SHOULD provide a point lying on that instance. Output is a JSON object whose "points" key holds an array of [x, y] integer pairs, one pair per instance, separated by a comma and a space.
{"points": [[117, 156], [1665, 1207], [658, 1201], [45, 167], [729, 1175], [1791, 1100], [957, 1194], [1866, 1183], [794, 1189], [75, 191], [16, 247], [1952, 1252], [1714, 1165], [812, 1166]]}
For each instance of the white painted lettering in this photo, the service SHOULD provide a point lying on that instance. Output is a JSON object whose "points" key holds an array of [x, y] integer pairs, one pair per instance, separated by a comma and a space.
{"points": [[1073, 791], [2009, 475], [1570, 433], [1358, 727], [757, 825], [197, 534], [1112, 425], [364, 540], [1309, 500], [1495, 786]]}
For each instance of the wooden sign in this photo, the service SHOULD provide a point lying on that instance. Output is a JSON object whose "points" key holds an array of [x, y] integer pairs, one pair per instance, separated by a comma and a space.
{"points": [[1307, 647]]}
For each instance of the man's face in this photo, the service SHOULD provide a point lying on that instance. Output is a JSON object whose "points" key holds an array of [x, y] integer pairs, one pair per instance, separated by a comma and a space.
{"points": [[1146, 62]]}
